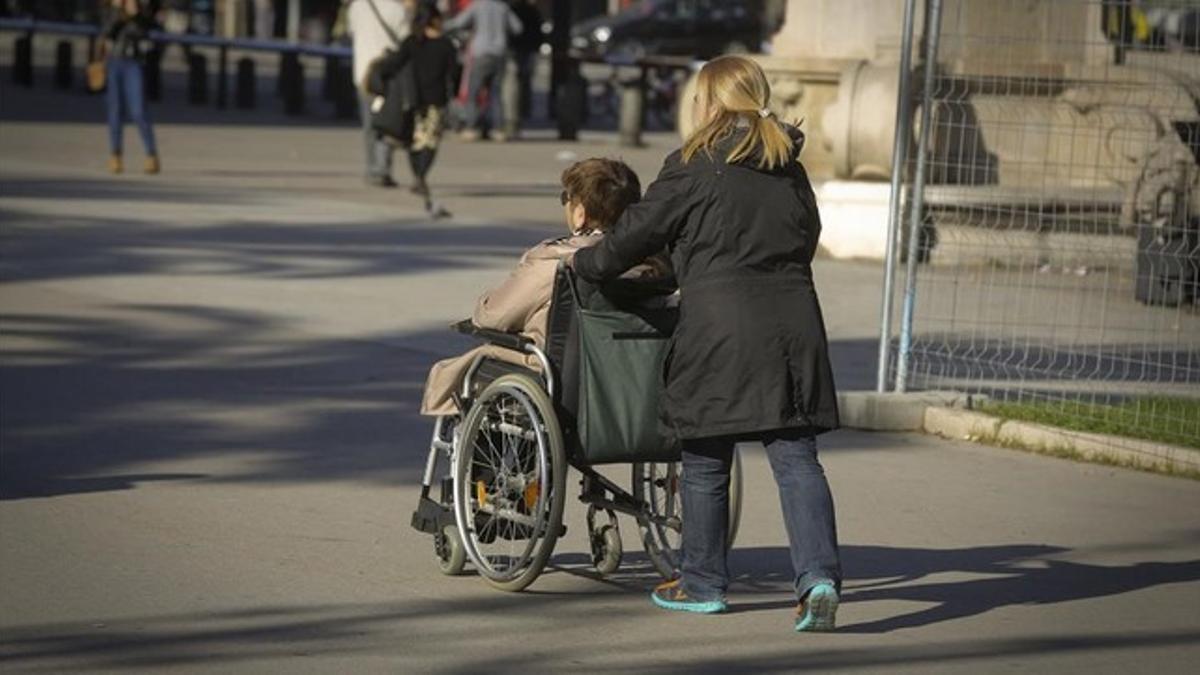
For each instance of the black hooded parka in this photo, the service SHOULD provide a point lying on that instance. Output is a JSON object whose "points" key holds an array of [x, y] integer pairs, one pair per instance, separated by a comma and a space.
{"points": [[749, 353]]}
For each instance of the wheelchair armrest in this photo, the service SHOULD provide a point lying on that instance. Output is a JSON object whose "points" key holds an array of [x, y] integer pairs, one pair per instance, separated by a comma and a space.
{"points": [[514, 341]]}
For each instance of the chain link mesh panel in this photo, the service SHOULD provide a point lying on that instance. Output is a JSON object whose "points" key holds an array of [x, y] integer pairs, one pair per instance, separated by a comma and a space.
{"points": [[1059, 244]]}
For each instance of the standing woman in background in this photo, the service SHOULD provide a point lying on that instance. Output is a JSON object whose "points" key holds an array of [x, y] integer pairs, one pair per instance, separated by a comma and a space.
{"points": [[748, 360], [124, 44]]}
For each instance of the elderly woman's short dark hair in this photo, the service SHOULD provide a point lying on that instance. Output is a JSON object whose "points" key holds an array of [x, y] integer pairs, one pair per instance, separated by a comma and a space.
{"points": [[605, 187]]}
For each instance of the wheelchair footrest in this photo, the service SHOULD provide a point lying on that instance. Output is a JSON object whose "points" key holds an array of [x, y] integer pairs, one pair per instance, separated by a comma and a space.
{"points": [[430, 516]]}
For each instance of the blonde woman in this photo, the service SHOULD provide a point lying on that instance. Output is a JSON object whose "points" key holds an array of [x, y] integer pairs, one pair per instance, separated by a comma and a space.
{"points": [[748, 363]]}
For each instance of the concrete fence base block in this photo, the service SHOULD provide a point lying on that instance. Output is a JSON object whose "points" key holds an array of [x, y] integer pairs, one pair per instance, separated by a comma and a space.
{"points": [[873, 411], [961, 424], [854, 217]]}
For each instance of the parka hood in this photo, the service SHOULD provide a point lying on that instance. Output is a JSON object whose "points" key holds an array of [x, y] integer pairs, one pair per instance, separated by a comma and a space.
{"points": [[726, 145]]}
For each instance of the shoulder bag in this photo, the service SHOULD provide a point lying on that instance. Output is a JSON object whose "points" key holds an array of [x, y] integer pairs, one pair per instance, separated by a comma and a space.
{"points": [[394, 106]]}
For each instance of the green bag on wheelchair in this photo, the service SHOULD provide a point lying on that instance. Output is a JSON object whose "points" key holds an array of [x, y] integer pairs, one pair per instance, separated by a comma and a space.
{"points": [[621, 358]]}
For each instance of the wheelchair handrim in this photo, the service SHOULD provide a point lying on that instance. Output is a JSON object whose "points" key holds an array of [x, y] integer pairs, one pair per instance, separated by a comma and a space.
{"points": [[464, 498]]}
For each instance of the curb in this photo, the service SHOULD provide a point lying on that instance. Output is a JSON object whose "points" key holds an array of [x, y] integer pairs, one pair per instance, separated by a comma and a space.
{"points": [[872, 411], [949, 414], [980, 427]]}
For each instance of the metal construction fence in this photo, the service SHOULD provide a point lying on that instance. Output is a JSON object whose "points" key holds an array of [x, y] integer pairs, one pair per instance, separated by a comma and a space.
{"points": [[1047, 213]]}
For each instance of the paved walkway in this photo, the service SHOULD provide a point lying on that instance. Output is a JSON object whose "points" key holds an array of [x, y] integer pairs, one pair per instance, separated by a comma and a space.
{"points": [[209, 449]]}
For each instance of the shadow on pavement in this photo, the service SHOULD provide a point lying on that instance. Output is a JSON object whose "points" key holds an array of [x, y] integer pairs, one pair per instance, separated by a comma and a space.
{"points": [[854, 363], [96, 247], [241, 635], [1021, 574], [83, 399], [50, 486], [1024, 574]]}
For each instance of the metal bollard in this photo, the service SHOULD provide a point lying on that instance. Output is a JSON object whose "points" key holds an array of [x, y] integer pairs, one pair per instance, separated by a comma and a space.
{"points": [[22, 69], [223, 78], [153, 79], [64, 73], [291, 83], [571, 103], [632, 116], [345, 94], [247, 84], [510, 99], [329, 77], [197, 79]]}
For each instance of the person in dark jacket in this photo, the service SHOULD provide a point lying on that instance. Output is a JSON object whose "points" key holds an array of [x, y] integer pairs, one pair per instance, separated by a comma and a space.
{"points": [[748, 361], [434, 59], [125, 41]]}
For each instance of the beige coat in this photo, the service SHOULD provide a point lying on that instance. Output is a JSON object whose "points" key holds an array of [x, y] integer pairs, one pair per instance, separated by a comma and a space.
{"points": [[521, 303]]}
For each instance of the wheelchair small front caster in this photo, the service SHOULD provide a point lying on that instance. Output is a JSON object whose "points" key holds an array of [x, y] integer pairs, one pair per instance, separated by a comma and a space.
{"points": [[605, 540], [451, 555]]}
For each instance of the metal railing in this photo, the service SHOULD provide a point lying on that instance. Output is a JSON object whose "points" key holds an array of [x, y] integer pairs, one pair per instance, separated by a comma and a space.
{"points": [[337, 59], [629, 86], [34, 26]]}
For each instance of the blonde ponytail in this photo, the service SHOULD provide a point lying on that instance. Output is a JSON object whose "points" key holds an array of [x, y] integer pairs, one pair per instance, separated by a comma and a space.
{"points": [[734, 89]]}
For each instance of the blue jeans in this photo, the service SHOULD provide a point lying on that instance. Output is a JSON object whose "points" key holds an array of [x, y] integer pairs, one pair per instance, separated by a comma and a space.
{"points": [[486, 71], [126, 96], [803, 494]]}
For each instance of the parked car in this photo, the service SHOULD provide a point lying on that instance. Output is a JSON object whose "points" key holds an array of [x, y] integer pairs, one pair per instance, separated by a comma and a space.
{"points": [[697, 28]]}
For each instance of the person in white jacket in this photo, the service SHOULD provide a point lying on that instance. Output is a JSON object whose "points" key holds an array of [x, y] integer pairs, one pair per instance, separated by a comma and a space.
{"points": [[369, 23]]}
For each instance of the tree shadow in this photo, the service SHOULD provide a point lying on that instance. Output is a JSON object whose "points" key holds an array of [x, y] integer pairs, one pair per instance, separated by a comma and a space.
{"points": [[82, 398], [51, 486], [243, 635], [85, 246], [1021, 574]]}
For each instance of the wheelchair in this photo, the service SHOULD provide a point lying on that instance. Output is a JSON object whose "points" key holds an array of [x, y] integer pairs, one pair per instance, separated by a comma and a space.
{"points": [[494, 484]]}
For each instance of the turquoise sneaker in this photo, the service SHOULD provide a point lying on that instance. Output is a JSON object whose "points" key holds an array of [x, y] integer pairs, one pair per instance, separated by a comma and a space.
{"points": [[817, 613], [672, 596]]}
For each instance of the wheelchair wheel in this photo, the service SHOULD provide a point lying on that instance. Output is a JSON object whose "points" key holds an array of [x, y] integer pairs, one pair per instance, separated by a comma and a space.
{"points": [[605, 540], [451, 555], [657, 486], [509, 481]]}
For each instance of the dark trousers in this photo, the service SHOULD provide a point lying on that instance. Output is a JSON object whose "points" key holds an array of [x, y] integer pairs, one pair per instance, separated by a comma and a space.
{"points": [[126, 97], [803, 494], [378, 151]]}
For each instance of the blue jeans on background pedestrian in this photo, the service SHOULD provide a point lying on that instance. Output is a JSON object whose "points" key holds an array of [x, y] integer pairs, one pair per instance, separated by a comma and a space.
{"points": [[803, 493], [126, 97], [487, 71]]}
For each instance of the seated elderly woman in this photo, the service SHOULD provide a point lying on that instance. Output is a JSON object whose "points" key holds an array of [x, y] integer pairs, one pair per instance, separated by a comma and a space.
{"points": [[595, 193]]}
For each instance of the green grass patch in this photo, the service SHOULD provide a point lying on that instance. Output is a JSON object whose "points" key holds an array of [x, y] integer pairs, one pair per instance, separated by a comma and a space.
{"points": [[1175, 421]]}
